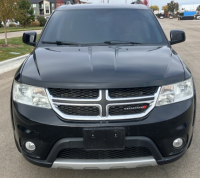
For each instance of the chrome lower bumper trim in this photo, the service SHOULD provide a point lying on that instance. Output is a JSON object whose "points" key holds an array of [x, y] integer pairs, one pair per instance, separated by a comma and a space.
{"points": [[104, 164]]}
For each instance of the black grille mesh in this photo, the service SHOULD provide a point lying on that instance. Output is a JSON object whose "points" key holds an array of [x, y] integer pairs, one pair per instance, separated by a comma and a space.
{"points": [[128, 152], [127, 109], [79, 110], [74, 93], [132, 92]]}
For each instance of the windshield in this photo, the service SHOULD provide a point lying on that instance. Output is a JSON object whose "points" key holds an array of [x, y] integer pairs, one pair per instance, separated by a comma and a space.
{"points": [[94, 26]]}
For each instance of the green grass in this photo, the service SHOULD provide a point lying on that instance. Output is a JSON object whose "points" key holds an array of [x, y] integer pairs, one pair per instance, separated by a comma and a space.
{"points": [[24, 49], [16, 29]]}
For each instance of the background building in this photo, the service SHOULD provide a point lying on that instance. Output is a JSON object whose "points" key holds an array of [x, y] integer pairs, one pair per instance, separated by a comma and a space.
{"points": [[109, 1], [189, 7], [46, 7], [43, 7]]}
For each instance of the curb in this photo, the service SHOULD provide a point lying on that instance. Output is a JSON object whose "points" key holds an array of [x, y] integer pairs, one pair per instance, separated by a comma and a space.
{"points": [[11, 64]]}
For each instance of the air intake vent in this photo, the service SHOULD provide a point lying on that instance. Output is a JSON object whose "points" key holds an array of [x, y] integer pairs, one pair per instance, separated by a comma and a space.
{"points": [[79, 110], [79, 153], [132, 92], [74, 93]]}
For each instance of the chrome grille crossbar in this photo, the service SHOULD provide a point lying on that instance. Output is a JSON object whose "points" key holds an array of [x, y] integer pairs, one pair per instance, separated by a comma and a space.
{"points": [[103, 103]]}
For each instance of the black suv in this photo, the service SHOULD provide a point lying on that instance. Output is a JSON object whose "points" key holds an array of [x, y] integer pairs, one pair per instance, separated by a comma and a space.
{"points": [[104, 89]]}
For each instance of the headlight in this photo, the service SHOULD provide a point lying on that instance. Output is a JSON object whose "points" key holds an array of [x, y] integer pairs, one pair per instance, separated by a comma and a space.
{"points": [[34, 96], [175, 93]]}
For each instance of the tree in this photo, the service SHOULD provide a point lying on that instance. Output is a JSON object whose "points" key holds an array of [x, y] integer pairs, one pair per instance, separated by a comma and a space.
{"points": [[26, 13], [8, 10], [0, 23], [198, 8], [42, 21], [154, 8], [165, 8], [172, 6], [146, 2]]}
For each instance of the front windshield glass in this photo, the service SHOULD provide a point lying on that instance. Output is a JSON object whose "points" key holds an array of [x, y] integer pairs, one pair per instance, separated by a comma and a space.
{"points": [[93, 26]]}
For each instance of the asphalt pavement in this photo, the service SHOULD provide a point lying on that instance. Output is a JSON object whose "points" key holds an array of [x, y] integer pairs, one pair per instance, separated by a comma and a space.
{"points": [[13, 165]]}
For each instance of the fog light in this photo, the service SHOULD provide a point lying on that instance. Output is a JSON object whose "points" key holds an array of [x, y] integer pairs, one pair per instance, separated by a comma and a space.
{"points": [[178, 143], [30, 146]]}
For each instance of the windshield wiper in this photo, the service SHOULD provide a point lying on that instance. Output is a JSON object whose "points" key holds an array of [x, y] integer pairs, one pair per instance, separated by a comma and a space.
{"points": [[121, 42], [104, 43], [60, 42]]}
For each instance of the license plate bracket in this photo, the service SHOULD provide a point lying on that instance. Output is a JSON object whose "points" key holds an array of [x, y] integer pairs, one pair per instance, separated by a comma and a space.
{"points": [[104, 139]]}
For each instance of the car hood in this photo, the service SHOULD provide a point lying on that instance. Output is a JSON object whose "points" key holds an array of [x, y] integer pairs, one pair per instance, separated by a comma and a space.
{"points": [[102, 67]]}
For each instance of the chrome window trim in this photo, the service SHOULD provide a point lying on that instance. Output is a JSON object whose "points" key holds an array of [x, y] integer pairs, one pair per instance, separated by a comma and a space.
{"points": [[108, 98], [71, 99]]}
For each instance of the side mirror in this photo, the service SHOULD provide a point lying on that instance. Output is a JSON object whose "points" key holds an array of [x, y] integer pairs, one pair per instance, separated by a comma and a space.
{"points": [[29, 38], [177, 36]]}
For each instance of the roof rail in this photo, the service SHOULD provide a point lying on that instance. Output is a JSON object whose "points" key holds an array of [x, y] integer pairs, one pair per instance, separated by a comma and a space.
{"points": [[135, 2]]}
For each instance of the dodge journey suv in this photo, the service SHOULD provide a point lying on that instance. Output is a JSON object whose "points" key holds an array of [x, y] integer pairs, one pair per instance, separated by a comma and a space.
{"points": [[103, 88]]}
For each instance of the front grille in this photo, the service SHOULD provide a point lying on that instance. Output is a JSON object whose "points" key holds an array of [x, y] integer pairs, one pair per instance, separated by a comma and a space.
{"points": [[79, 110], [127, 109], [128, 152], [74, 93], [102, 104], [132, 92]]}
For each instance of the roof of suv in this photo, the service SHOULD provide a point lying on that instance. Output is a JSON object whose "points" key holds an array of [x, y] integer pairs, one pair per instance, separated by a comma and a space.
{"points": [[103, 6]]}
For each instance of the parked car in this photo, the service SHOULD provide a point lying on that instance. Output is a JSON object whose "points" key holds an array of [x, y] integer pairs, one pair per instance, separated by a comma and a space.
{"points": [[11, 22], [198, 17], [161, 17], [171, 17], [104, 89]]}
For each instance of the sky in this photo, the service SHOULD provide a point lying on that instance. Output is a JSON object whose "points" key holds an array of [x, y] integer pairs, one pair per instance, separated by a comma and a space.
{"points": [[160, 3]]}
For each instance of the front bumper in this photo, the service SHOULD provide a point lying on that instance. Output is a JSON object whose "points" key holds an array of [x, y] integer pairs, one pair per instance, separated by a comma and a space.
{"points": [[54, 162], [155, 132]]}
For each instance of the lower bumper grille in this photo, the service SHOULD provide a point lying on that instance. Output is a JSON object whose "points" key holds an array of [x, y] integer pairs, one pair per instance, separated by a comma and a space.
{"points": [[128, 152], [79, 110]]}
